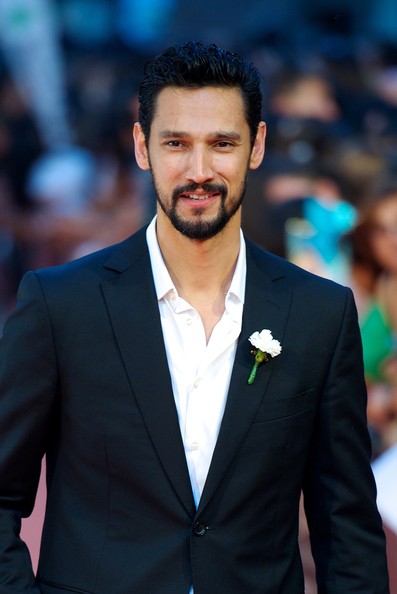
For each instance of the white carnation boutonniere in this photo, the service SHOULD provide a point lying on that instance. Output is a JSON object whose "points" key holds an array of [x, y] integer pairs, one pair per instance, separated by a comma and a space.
{"points": [[265, 346]]}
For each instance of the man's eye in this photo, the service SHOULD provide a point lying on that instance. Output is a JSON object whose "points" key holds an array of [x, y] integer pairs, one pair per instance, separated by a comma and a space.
{"points": [[174, 143], [224, 144]]}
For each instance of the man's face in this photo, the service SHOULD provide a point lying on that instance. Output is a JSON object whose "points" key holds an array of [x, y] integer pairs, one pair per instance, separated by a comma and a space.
{"points": [[199, 153]]}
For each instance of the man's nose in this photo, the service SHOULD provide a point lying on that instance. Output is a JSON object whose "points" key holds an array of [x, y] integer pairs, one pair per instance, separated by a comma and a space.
{"points": [[200, 168]]}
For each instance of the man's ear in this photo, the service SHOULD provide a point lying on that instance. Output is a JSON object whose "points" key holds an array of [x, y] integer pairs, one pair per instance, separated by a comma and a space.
{"points": [[258, 150], [141, 152]]}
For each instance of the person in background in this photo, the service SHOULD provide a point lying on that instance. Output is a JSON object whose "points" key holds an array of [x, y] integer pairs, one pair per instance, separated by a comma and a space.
{"points": [[302, 217], [374, 277], [186, 386]]}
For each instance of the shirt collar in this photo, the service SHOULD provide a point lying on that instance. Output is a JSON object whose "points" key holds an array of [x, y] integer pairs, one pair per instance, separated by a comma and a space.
{"points": [[163, 282]]}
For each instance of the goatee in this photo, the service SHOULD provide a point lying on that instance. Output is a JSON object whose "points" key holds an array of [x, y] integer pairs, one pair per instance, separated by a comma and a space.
{"points": [[199, 228]]}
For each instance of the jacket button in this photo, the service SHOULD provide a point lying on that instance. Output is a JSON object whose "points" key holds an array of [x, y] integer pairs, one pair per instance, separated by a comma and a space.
{"points": [[199, 529]]}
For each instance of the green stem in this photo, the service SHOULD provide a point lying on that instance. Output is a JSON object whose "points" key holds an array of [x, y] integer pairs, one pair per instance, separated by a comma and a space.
{"points": [[252, 375]]}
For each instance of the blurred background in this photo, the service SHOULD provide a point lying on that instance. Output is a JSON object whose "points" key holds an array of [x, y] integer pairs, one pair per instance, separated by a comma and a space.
{"points": [[325, 197]]}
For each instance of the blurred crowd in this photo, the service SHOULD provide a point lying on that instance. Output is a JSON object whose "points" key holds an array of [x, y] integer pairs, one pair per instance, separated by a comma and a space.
{"points": [[325, 198]]}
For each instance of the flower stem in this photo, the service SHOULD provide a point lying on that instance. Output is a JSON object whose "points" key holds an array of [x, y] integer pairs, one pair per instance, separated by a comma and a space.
{"points": [[252, 375]]}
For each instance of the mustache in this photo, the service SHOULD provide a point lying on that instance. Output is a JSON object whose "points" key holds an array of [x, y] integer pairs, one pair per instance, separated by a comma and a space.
{"points": [[193, 186]]}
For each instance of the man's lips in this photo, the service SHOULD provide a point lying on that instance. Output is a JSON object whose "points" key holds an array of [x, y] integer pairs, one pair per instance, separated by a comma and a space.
{"points": [[196, 195], [200, 194]]}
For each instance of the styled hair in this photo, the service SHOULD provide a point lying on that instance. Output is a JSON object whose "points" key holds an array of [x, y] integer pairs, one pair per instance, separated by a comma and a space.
{"points": [[195, 65]]}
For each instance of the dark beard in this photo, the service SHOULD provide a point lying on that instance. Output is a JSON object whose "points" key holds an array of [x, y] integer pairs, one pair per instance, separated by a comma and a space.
{"points": [[200, 229]]}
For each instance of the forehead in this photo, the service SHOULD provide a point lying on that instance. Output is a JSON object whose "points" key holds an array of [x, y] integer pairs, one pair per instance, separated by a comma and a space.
{"points": [[203, 108]]}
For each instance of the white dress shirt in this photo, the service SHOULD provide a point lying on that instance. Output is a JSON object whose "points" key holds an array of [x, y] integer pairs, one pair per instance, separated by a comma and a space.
{"points": [[200, 372]]}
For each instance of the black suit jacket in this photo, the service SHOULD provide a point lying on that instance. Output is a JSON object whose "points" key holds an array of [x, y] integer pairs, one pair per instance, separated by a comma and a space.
{"points": [[84, 379]]}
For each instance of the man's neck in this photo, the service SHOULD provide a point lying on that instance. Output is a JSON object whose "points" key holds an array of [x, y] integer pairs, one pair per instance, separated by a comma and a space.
{"points": [[201, 270]]}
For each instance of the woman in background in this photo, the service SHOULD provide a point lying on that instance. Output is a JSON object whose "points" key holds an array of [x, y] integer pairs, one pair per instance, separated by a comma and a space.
{"points": [[374, 276]]}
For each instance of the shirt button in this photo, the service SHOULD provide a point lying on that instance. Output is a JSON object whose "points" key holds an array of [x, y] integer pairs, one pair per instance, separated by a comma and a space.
{"points": [[194, 446], [189, 322], [196, 383]]}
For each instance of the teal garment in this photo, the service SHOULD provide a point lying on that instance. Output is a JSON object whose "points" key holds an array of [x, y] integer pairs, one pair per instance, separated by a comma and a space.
{"points": [[330, 222], [377, 339]]}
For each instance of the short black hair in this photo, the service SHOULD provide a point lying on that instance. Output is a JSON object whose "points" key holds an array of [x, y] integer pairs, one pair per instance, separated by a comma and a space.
{"points": [[195, 65]]}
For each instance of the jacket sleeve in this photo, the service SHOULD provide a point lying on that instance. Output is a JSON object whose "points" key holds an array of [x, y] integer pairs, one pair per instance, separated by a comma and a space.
{"points": [[346, 533], [28, 380]]}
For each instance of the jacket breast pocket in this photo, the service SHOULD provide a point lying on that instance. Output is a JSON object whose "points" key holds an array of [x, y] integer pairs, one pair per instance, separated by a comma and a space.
{"points": [[272, 410], [47, 588]]}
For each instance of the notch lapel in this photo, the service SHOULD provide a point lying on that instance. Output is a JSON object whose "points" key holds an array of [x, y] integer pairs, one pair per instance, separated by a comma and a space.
{"points": [[267, 303], [133, 310]]}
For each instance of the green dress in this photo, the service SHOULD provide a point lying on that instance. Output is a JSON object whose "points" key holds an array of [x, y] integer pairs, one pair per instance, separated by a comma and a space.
{"points": [[377, 339]]}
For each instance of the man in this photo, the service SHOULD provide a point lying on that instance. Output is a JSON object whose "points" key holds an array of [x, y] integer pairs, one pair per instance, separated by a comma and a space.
{"points": [[167, 471]]}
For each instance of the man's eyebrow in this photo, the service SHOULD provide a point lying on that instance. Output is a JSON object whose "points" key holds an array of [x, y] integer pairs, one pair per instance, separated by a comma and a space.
{"points": [[221, 134], [173, 134], [226, 135]]}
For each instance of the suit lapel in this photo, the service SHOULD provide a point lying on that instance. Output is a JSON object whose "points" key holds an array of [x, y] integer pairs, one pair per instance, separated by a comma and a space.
{"points": [[134, 313], [266, 305]]}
